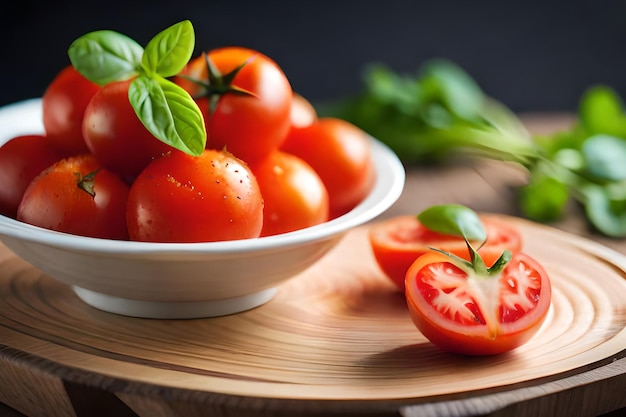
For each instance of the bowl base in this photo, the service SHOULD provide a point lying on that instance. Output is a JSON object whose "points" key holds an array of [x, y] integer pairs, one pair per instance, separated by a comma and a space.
{"points": [[173, 310]]}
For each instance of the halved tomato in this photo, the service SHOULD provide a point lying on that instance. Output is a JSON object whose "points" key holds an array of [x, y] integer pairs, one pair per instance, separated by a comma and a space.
{"points": [[469, 311], [398, 241]]}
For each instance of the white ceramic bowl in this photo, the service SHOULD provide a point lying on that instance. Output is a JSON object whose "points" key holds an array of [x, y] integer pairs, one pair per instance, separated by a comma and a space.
{"points": [[182, 280]]}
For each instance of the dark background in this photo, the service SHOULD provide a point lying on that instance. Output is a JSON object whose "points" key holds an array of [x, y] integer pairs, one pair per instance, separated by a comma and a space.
{"points": [[532, 55]]}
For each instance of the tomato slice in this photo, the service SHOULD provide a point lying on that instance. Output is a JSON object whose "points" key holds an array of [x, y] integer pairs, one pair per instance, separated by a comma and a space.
{"points": [[398, 241], [464, 312]]}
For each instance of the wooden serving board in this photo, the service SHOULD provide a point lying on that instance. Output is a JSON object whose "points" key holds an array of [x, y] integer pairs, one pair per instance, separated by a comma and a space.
{"points": [[336, 339]]}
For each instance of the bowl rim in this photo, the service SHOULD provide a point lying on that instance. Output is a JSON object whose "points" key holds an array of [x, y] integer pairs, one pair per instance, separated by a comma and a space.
{"points": [[24, 117]]}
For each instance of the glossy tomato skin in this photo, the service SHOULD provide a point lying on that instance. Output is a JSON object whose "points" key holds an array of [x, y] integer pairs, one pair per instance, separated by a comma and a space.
{"points": [[54, 201], [250, 126], [22, 158], [294, 195], [519, 300], [63, 106], [396, 243], [116, 136], [182, 198], [340, 153], [302, 112]]}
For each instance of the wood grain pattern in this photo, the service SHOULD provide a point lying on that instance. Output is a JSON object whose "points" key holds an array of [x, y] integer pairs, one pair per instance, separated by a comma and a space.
{"points": [[338, 332]]}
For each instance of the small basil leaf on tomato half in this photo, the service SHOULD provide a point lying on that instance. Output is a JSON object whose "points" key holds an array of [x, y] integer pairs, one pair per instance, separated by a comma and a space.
{"points": [[169, 113], [169, 51], [454, 219], [105, 56]]}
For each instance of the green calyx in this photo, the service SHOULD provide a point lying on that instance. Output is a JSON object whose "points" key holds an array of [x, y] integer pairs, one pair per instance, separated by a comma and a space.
{"points": [[476, 264], [459, 220], [164, 108], [87, 182], [217, 84]]}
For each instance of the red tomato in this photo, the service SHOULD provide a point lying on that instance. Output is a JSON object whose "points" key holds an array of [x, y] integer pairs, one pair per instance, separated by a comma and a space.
{"points": [[302, 111], [59, 199], [476, 315], [63, 105], [398, 241], [249, 125], [295, 197], [116, 136], [340, 153], [22, 159], [182, 198]]}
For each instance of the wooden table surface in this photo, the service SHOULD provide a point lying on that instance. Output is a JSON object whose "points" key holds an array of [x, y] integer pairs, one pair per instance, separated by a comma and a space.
{"points": [[486, 186]]}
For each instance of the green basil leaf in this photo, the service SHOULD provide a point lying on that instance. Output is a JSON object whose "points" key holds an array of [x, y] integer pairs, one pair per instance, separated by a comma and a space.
{"points": [[169, 51], [169, 113], [601, 111], [544, 198], [606, 157], [606, 214], [104, 56], [454, 219], [449, 84], [570, 158], [390, 88]]}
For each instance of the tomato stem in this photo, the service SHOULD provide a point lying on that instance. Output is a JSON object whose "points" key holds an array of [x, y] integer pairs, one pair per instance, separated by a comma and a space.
{"points": [[459, 220], [218, 84], [87, 182], [476, 264]]}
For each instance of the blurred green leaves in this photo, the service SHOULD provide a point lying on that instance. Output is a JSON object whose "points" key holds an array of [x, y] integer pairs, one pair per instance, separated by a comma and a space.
{"points": [[427, 117], [586, 163], [440, 111]]}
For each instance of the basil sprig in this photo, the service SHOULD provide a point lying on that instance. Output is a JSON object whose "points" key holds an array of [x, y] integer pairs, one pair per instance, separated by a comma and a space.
{"points": [[164, 108]]}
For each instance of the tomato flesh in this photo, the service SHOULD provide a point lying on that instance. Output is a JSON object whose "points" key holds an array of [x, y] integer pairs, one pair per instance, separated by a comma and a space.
{"points": [[398, 241], [474, 315]]}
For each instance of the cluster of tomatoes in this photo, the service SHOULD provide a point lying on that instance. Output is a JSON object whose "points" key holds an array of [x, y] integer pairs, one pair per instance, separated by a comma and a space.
{"points": [[459, 308], [270, 166]]}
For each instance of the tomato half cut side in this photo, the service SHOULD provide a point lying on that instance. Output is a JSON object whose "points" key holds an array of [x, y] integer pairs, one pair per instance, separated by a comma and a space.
{"points": [[463, 312], [398, 241]]}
